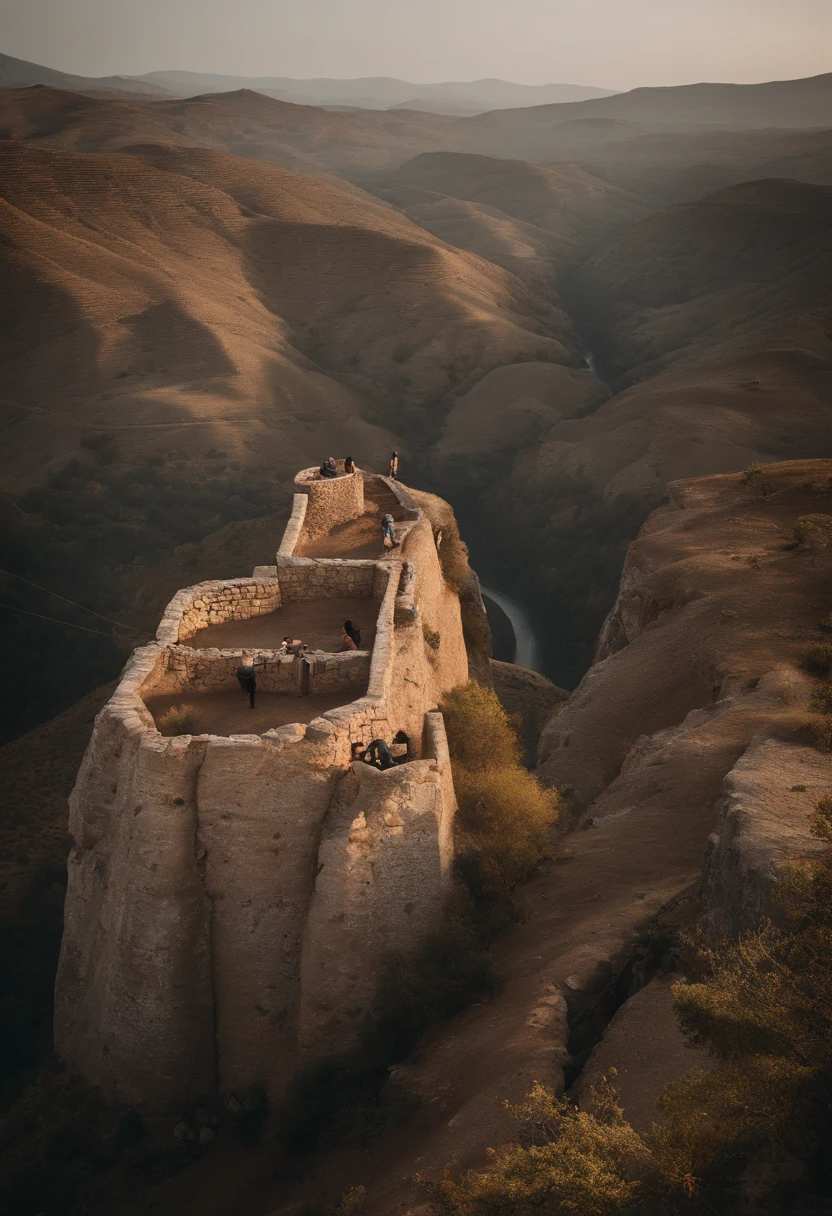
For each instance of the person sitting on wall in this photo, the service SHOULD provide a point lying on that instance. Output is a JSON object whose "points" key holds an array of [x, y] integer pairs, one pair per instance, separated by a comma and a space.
{"points": [[329, 468], [388, 532], [293, 646], [349, 465], [376, 754], [394, 464], [246, 676], [354, 632]]}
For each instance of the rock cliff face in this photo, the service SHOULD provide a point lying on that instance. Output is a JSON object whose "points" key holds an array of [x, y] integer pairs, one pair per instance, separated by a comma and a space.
{"points": [[233, 898], [682, 741]]}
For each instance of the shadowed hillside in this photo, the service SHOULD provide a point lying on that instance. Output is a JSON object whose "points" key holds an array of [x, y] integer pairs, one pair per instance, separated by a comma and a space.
{"points": [[718, 316]]}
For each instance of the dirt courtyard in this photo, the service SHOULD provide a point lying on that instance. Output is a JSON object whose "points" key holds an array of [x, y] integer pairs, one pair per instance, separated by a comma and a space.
{"points": [[228, 713], [316, 622]]}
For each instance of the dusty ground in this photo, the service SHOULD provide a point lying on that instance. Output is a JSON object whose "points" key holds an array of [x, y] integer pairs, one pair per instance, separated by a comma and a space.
{"points": [[316, 622], [358, 537], [228, 713]]}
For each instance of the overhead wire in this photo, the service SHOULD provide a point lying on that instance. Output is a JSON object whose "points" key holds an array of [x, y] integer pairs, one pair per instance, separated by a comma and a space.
{"points": [[56, 621], [109, 620]]}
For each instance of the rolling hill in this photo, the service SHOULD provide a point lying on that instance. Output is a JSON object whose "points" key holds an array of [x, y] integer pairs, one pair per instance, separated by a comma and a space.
{"points": [[182, 330]]}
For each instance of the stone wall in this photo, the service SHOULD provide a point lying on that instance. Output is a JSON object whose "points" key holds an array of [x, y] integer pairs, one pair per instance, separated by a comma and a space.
{"points": [[218, 601], [312, 578], [185, 670], [214, 603], [331, 500]]}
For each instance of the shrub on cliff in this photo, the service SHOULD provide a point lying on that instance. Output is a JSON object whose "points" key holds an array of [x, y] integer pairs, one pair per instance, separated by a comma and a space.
{"points": [[584, 1163], [178, 720], [818, 660], [504, 811], [814, 531]]}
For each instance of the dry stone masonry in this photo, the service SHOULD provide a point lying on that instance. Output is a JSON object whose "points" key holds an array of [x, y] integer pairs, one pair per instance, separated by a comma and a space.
{"points": [[233, 899]]}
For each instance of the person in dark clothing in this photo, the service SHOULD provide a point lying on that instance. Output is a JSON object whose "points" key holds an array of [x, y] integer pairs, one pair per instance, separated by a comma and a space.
{"points": [[400, 747], [329, 468], [246, 676], [394, 464], [349, 465], [376, 753], [352, 631]]}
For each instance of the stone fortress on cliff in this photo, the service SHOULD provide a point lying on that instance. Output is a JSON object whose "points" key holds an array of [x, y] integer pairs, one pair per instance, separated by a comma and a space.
{"points": [[234, 895]]}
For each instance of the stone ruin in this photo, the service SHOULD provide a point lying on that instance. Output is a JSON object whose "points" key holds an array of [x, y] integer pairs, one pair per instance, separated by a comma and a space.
{"points": [[233, 899]]}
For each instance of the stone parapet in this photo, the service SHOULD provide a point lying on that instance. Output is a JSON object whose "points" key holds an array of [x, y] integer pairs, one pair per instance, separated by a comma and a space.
{"points": [[214, 603], [332, 500]]}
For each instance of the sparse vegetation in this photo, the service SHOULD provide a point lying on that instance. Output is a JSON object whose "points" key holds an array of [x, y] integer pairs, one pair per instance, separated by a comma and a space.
{"points": [[178, 720], [817, 728], [754, 470], [814, 531], [431, 636], [506, 814], [580, 1163], [763, 1006], [818, 660]]}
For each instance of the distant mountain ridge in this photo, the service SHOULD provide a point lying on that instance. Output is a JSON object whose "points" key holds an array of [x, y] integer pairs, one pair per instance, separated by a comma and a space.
{"points": [[381, 92], [19, 73]]}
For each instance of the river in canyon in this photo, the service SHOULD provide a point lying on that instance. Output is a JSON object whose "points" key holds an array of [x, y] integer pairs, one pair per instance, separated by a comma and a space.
{"points": [[526, 649]]}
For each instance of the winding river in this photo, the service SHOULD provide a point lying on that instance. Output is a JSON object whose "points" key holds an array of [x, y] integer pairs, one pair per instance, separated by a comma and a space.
{"points": [[526, 650]]}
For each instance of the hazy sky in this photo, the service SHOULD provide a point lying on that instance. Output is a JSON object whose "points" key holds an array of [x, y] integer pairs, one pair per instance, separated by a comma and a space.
{"points": [[614, 43]]}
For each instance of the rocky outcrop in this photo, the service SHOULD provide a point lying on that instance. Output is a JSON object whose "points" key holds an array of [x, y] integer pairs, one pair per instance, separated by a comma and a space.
{"points": [[232, 899], [763, 823]]}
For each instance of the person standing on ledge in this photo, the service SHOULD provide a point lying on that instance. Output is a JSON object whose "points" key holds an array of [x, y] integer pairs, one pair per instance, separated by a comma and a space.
{"points": [[394, 465], [349, 465], [246, 676]]}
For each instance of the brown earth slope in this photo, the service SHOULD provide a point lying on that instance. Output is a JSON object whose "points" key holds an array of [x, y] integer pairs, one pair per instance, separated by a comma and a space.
{"points": [[144, 295], [242, 123]]}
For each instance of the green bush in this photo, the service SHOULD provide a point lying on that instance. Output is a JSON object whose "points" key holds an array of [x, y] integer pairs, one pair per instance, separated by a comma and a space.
{"points": [[504, 811], [814, 531], [580, 1163], [817, 731], [178, 720], [431, 636]]}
